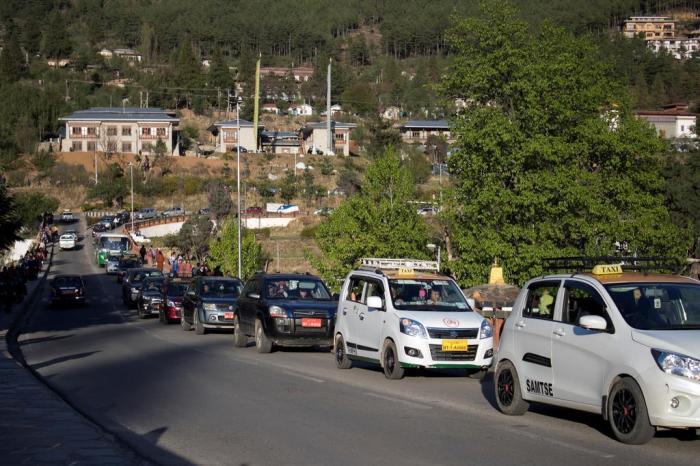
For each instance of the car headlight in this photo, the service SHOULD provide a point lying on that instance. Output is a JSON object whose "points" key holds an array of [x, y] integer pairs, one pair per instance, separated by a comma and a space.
{"points": [[170, 303], [209, 307], [134, 289], [276, 311], [677, 364], [412, 328], [486, 330]]}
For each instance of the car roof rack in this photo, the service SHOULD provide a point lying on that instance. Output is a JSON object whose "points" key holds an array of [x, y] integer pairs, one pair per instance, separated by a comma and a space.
{"points": [[628, 263], [379, 264]]}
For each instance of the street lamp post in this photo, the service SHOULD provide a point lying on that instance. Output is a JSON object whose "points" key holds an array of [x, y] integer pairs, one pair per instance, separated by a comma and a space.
{"points": [[131, 170], [238, 179]]}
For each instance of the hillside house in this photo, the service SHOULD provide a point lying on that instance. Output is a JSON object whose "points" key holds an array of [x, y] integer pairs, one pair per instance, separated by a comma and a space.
{"points": [[649, 27], [315, 138], [673, 122], [227, 139], [418, 131], [129, 55], [127, 130], [301, 110], [391, 113], [282, 142], [682, 48], [270, 108], [300, 74]]}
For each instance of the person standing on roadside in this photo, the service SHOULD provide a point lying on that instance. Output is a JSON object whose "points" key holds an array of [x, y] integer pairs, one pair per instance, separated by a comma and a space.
{"points": [[160, 260], [142, 253]]}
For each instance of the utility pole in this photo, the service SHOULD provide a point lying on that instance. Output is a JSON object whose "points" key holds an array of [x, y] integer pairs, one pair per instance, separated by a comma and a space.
{"points": [[238, 182], [95, 167], [140, 99], [131, 169], [67, 95], [328, 111], [228, 103]]}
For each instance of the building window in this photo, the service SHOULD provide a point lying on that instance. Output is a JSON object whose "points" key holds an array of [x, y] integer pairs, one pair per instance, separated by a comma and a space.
{"points": [[145, 131], [415, 134], [76, 146], [126, 130], [160, 132], [126, 147], [340, 137], [682, 128], [76, 130], [111, 146], [92, 131], [91, 146], [111, 131]]}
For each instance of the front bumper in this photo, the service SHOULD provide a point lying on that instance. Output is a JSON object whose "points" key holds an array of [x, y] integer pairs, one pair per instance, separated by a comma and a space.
{"points": [[290, 332], [478, 355], [173, 313], [67, 299], [152, 307], [662, 391], [111, 269]]}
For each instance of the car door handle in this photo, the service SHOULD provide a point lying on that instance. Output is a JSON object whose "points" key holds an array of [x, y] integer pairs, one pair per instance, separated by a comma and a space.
{"points": [[520, 324], [362, 316], [559, 332], [345, 312]]}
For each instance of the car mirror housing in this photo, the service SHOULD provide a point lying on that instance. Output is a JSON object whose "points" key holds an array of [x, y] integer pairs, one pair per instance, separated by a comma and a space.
{"points": [[375, 302], [593, 323]]}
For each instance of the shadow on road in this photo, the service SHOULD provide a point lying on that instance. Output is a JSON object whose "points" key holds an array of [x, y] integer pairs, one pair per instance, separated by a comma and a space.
{"points": [[61, 359]]}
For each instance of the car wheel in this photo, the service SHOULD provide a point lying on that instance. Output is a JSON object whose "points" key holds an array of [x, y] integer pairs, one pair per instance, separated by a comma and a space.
{"points": [[627, 413], [240, 339], [161, 317], [198, 326], [341, 357], [390, 362], [477, 374], [139, 311], [184, 324], [507, 386], [262, 343]]}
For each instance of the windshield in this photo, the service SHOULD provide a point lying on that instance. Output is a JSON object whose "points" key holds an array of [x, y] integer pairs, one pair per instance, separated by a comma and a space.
{"points": [[427, 295], [114, 243], [128, 263], [152, 284], [219, 289], [139, 276], [297, 289], [658, 306], [68, 282], [113, 259], [176, 289]]}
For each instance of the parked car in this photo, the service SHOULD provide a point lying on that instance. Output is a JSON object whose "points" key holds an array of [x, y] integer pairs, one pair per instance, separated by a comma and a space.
{"points": [[204, 211], [254, 211], [132, 282], [610, 340], [107, 221], [112, 264], [68, 217], [67, 289], [173, 212], [324, 211], [66, 242], [146, 213], [426, 211], [123, 217], [173, 293], [72, 233], [209, 303], [403, 313], [150, 301], [284, 310], [125, 264]]}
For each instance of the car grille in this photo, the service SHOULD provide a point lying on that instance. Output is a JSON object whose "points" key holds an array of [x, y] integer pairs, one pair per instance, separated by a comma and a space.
{"points": [[437, 354], [453, 333], [298, 314]]}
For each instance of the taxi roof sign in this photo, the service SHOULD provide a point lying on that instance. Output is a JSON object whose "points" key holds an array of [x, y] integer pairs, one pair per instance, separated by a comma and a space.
{"points": [[404, 266], [607, 269]]}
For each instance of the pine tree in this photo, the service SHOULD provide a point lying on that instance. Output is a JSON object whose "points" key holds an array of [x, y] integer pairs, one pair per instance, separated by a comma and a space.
{"points": [[219, 74], [11, 58], [56, 41]]}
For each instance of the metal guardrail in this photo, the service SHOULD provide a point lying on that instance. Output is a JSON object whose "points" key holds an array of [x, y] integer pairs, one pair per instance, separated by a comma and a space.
{"points": [[138, 224]]}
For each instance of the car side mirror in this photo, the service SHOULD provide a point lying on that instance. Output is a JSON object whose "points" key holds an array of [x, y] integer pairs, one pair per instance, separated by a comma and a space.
{"points": [[593, 322], [375, 302], [253, 295], [191, 294], [472, 303]]}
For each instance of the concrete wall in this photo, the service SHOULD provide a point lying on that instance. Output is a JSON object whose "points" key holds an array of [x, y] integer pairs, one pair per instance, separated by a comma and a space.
{"points": [[252, 223]]}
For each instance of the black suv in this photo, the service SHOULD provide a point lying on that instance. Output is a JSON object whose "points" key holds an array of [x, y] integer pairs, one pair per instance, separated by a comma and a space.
{"points": [[285, 310], [150, 299], [132, 282], [125, 264], [209, 303], [67, 289]]}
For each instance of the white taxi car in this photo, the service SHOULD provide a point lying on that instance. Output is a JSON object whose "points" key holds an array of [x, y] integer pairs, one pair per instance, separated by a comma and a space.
{"points": [[66, 241], [400, 313], [622, 344]]}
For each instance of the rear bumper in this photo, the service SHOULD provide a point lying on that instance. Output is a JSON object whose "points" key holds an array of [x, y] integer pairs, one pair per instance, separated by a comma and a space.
{"points": [[67, 299], [301, 341]]}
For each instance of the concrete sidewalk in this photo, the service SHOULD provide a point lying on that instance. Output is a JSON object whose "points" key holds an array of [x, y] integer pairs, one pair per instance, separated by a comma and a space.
{"points": [[36, 425]]}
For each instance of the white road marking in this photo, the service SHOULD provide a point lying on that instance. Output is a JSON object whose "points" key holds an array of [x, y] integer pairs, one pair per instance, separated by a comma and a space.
{"points": [[399, 400], [305, 377]]}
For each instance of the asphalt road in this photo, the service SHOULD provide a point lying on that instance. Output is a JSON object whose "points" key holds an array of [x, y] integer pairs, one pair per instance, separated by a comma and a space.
{"points": [[179, 398]]}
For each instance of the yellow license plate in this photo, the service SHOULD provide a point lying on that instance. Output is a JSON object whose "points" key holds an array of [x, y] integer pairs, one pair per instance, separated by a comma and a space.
{"points": [[454, 345]]}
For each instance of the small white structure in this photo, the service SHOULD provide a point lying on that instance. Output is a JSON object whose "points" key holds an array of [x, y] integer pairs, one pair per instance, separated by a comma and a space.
{"points": [[106, 53], [673, 122], [316, 138], [301, 110], [682, 48], [270, 108], [227, 139], [391, 113]]}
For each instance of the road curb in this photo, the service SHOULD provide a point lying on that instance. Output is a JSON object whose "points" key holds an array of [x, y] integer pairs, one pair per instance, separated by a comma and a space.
{"points": [[15, 329]]}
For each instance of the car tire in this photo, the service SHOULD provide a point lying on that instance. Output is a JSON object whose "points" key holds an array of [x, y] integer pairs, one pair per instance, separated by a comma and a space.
{"points": [[198, 326], [161, 317], [627, 413], [390, 362], [509, 398], [340, 352], [240, 339], [477, 374], [262, 343], [184, 324], [139, 311]]}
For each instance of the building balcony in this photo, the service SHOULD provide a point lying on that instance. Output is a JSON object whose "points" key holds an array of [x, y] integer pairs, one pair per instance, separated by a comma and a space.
{"points": [[152, 137], [83, 136], [230, 139]]}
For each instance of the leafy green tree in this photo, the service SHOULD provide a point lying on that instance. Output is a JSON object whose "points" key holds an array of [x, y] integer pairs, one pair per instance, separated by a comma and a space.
{"points": [[219, 74], [682, 175], [379, 222], [29, 206], [382, 136], [223, 251], [289, 188], [359, 98], [10, 219], [195, 235], [56, 40], [11, 58], [550, 160], [219, 199]]}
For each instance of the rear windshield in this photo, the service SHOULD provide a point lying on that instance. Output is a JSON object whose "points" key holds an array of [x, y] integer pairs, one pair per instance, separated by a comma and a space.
{"points": [[658, 306], [65, 282], [146, 273], [220, 289], [128, 263], [176, 289], [153, 284]]}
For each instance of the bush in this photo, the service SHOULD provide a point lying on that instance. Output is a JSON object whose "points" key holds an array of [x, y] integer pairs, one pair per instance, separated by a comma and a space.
{"points": [[31, 205], [63, 174], [263, 233], [309, 232], [43, 161]]}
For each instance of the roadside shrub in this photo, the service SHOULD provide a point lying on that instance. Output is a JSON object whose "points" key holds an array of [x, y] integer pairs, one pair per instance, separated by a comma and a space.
{"points": [[31, 205], [309, 232], [263, 233]]}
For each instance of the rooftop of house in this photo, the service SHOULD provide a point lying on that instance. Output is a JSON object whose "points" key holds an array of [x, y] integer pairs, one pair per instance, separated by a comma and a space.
{"points": [[674, 109], [648, 18], [234, 123], [120, 114], [335, 124], [427, 124]]}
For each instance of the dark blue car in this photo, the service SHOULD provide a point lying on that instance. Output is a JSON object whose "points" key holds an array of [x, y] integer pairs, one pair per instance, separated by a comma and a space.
{"points": [[285, 310], [209, 303]]}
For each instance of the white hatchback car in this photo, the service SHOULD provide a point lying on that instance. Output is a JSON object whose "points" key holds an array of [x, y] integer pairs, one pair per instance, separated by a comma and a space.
{"points": [[622, 344], [66, 241], [401, 313]]}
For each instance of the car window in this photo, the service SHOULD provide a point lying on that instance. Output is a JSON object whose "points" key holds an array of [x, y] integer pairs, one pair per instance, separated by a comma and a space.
{"points": [[582, 300], [658, 306], [541, 298], [427, 294], [219, 288], [355, 289], [374, 288], [68, 281]]}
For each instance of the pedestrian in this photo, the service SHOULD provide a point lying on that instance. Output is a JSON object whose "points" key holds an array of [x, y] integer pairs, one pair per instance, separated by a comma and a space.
{"points": [[160, 260], [153, 255], [142, 253], [175, 267]]}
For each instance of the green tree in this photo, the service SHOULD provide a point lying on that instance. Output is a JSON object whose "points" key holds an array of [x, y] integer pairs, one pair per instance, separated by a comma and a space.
{"points": [[550, 160], [29, 206], [219, 74], [10, 219], [223, 251], [219, 199], [195, 235], [56, 40], [682, 175], [289, 188], [11, 58], [379, 222]]}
